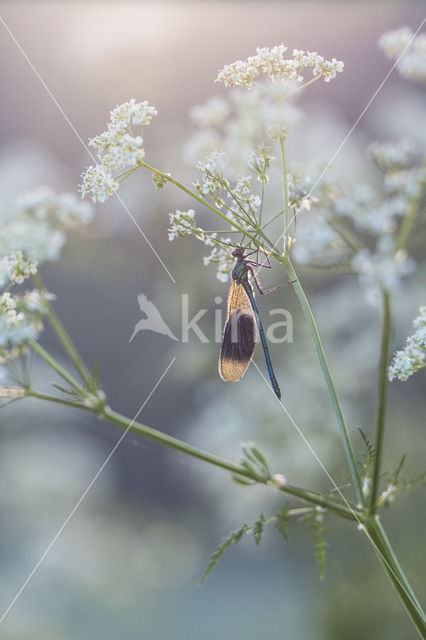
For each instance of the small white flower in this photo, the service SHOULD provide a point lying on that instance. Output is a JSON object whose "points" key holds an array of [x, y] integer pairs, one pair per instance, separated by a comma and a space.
{"points": [[382, 269], [271, 64], [118, 148], [413, 356], [393, 43], [413, 63], [221, 255], [388, 495], [37, 203], [18, 268], [279, 479], [37, 240], [182, 224], [98, 183], [394, 156]]}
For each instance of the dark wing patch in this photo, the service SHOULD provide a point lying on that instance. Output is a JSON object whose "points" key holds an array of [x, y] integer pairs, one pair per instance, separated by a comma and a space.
{"points": [[238, 345]]}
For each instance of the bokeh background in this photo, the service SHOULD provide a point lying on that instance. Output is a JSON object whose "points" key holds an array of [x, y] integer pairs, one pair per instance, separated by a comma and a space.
{"points": [[128, 563]]}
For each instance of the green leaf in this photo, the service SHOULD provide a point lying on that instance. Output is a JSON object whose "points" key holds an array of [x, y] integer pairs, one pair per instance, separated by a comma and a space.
{"points": [[369, 455], [320, 545], [314, 518], [398, 470], [258, 528], [233, 538], [415, 482], [282, 517]]}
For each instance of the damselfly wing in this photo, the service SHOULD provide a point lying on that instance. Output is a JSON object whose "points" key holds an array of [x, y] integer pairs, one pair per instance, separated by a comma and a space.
{"points": [[238, 341]]}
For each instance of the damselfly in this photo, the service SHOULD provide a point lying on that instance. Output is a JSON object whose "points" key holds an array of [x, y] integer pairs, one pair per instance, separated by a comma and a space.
{"points": [[239, 340]]}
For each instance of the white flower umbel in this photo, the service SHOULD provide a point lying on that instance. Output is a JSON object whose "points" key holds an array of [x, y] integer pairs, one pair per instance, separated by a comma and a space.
{"points": [[382, 269], [221, 256], [271, 64], [37, 228], [393, 43], [413, 356], [413, 63], [21, 319], [118, 148], [182, 224], [18, 268]]}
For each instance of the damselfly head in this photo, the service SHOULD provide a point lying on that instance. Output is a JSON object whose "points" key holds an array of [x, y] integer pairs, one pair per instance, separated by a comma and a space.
{"points": [[238, 252]]}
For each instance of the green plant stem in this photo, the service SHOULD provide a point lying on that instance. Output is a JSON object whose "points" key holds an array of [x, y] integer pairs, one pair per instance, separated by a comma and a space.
{"points": [[32, 393], [169, 441], [327, 376], [65, 339], [319, 500], [381, 398], [410, 217], [285, 195], [346, 234], [56, 366], [396, 575], [199, 199]]}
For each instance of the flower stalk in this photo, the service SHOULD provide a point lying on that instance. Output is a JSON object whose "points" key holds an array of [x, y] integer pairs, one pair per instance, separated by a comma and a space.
{"points": [[381, 398]]}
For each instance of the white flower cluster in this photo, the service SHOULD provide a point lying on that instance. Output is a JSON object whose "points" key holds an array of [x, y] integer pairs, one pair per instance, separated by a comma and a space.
{"points": [[20, 320], [393, 43], [43, 203], [182, 224], [394, 156], [382, 269], [117, 148], [251, 118], [37, 229], [221, 255], [271, 64], [388, 495], [412, 64], [413, 356], [16, 268]]}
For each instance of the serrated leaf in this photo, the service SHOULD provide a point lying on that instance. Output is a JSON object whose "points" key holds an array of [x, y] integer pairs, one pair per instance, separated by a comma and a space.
{"points": [[233, 538], [315, 523], [320, 545], [281, 523], [258, 528]]}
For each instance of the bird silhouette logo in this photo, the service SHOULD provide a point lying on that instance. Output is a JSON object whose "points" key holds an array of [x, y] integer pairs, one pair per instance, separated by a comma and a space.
{"points": [[153, 320]]}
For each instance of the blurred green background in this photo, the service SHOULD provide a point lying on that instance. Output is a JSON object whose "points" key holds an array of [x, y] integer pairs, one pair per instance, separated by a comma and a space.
{"points": [[127, 564]]}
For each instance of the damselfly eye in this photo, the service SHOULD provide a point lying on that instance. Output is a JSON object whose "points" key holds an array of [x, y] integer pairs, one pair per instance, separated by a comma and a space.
{"points": [[238, 252]]}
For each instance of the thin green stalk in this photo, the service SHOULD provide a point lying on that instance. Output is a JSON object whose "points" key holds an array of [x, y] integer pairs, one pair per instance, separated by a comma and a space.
{"points": [[381, 398], [174, 443], [396, 575], [272, 218], [410, 217], [285, 195], [347, 236], [31, 393], [199, 199], [328, 379], [169, 441], [56, 366], [65, 340], [319, 500]]}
